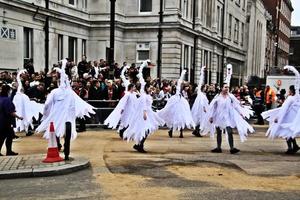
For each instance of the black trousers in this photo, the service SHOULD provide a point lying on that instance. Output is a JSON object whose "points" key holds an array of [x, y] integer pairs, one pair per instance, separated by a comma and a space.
{"points": [[230, 137], [67, 140], [7, 134], [82, 122]]}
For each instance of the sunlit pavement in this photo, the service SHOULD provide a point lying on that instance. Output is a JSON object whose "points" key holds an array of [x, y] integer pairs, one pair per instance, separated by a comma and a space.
{"points": [[172, 168]]}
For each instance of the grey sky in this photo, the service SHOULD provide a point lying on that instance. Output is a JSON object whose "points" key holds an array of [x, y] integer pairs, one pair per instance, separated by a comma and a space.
{"points": [[296, 13]]}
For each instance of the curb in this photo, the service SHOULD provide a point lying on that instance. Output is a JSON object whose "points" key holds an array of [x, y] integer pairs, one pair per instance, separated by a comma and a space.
{"points": [[46, 171]]}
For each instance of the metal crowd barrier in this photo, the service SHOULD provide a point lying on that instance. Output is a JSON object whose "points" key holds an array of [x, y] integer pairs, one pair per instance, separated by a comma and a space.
{"points": [[97, 120]]}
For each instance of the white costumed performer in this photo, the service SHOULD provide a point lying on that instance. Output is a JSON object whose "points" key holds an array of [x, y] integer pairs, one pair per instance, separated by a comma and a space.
{"points": [[225, 113], [25, 107], [177, 113], [144, 120], [126, 106], [62, 107], [200, 106], [284, 121]]}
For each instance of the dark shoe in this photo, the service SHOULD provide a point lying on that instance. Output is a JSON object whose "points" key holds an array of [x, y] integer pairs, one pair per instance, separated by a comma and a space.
{"points": [[295, 149], [67, 158], [59, 146], [29, 133], [289, 151], [16, 137], [141, 149], [196, 133], [216, 150], [181, 134], [80, 130], [136, 147], [121, 134], [11, 153], [234, 151], [170, 133]]}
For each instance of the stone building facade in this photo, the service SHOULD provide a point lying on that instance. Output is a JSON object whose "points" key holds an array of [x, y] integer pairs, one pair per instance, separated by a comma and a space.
{"points": [[195, 33], [281, 11], [294, 58]]}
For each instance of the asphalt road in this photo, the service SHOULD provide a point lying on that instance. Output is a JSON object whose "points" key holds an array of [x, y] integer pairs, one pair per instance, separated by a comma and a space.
{"points": [[173, 168]]}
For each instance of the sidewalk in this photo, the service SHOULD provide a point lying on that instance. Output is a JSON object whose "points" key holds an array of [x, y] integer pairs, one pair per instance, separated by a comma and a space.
{"points": [[32, 166]]}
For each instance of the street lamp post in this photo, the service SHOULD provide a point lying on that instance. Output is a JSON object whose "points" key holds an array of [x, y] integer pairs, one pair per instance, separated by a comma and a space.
{"points": [[112, 34], [46, 29]]}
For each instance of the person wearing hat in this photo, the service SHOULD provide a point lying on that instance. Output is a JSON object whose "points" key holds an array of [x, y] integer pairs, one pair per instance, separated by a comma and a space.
{"points": [[7, 115]]}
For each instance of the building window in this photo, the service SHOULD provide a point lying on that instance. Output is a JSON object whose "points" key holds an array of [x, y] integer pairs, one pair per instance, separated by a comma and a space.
{"points": [[60, 47], [28, 43], [72, 2], [242, 34], [244, 4], [236, 31], [230, 27], [209, 13], [83, 51], [185, 9], [73, 49], [84, 4], [218, 19], [145, 5], [143, 51]]}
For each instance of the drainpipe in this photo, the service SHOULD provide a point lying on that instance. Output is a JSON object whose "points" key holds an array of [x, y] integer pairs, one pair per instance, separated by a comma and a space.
{"points": [[46, 29], [195, 44], [112, 34], [223, 48], [159, 37], [277, 32]]}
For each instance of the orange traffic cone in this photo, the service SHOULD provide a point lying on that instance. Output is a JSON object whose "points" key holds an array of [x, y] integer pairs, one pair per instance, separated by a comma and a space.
{"points": [[52, 154]]}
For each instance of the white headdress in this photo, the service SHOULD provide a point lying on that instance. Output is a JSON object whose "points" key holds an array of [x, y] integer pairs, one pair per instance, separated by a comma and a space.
{"points": [[140, 74], [20, 86], [64, 79], [228, 74], [297, 81], [201, 80], [126, 82], [178, 87]]}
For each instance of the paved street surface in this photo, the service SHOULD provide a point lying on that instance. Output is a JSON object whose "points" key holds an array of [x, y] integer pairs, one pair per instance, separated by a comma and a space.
{"points": [[173, 168], [33, 166]]}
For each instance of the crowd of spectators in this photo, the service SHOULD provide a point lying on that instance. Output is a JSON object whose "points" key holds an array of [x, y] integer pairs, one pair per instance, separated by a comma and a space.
{"points": [[101, 86]]}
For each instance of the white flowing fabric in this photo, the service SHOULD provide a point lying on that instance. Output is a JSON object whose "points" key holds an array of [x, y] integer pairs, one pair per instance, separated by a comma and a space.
{"points": [[227, 111], [28, 110], [177, 113], [138, 127], [200, 108], [25, 108], [127, 104], [59, 109], [200, 105], [287, 116], [63, 105]]}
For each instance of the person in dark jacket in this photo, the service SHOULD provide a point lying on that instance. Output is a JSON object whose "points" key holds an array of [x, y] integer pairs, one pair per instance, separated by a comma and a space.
{"points": [[7, 115]]}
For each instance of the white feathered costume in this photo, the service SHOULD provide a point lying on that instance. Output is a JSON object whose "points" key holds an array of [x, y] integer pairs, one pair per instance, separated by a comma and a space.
{"points": [[287, 116], [126, 106], [226, 111], [25, 107], [63, 105], [138, 127], [200, 105], [177, 113]]}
